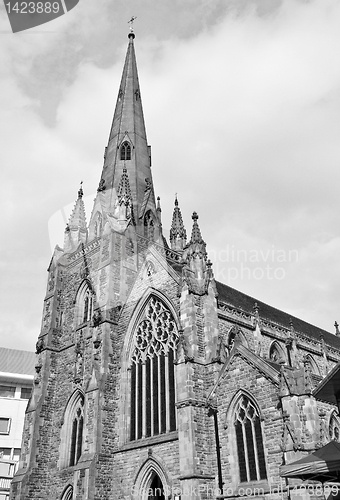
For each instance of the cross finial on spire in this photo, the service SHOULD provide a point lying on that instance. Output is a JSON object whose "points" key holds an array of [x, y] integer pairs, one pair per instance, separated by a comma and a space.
{"points": [[131, 34]]}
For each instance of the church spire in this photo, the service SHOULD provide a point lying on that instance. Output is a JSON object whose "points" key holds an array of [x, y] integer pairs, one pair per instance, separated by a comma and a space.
{"points": [[178, 235], [196, 236], [127, 146], [197, 272], [76, 229]]}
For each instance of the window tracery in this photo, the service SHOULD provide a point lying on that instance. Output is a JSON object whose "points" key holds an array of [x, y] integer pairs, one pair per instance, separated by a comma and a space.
{"points": [[251, 459], [152, 373]]}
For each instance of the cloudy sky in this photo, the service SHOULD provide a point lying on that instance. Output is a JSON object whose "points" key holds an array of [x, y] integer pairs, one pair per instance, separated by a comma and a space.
{"points": [[242, 107]]}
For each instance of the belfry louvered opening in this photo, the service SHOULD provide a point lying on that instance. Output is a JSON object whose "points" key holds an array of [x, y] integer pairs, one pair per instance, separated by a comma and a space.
{"points": [[152, 373]]}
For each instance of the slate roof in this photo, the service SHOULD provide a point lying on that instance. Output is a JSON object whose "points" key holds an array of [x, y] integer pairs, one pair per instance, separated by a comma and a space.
{"points": [[15, 361], [240, 300]]}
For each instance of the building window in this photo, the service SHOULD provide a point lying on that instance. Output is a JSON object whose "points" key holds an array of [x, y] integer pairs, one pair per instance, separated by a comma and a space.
{"points": [[25, 392], [251, 460], [71, 442], [7, 391], [234, 333], [313, 365], [276, 354], [6, 453], [152, 373], [149, 226], [125, 151], [5, 424], [68, 493], [334, 428], [77, 433], [84, 301], [87, 306]]}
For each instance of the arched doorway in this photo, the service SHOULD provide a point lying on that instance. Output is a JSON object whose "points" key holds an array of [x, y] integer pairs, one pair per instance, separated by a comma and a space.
{"points": [[156, 489]]}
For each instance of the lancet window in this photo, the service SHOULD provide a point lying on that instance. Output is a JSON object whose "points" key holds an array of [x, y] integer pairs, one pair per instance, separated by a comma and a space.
{"points": [[251, 459], [276, 354], [87, 305], [77, 432], [85, 300], [72, 431], [313, 365], [125, 151], [152, 373], [68, 493]]}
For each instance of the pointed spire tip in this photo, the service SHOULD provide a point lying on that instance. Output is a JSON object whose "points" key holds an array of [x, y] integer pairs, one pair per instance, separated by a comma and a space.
{"points": [[80, 191]]}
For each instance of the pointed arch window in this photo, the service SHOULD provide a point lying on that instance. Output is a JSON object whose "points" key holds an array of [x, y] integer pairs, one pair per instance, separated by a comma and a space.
{"points": [[125, 151], [68, 493], [72, 431], [152, 374], [85, 300], [334, 428], [234, 333], [77, 433], [149, 225], [277, 354], [313, 365], [251, 459]]}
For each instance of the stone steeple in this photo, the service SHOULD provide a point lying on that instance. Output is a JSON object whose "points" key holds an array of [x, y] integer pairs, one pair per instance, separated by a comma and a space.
{"points": [[178, 235], [76, 229], [127, 152]]}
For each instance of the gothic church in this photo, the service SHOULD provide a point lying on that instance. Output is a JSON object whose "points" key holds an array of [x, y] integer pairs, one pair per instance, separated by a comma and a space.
{"points": [[153, 380]]}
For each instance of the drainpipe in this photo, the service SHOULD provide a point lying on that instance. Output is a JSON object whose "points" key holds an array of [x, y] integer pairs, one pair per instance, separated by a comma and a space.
{"points": [[213, 412]]}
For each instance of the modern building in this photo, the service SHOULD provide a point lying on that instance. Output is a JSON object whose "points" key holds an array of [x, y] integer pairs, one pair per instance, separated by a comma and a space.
{"points": [[152, 379], [16, 382]]}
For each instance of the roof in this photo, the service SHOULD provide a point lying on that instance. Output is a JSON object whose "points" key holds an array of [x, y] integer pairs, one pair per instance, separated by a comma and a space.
{"points": [[15, 361], [240, 300], [322, 465], [329, 388]]}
